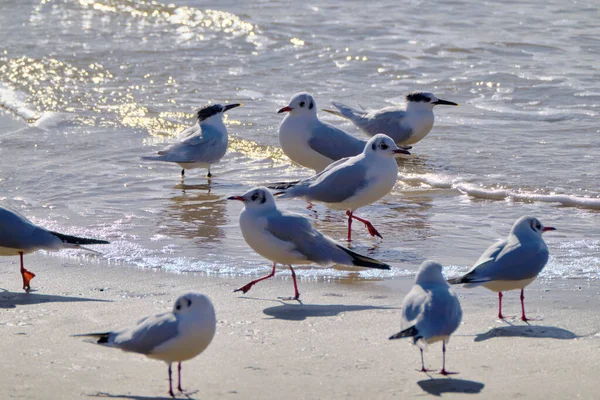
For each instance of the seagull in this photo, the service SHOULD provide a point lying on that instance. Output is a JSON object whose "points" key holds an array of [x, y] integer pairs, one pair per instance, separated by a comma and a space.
{"points": [[287, 238], [512, 263], [406, 125], [199, 145], [19, 236], [310, 142], [430, 311], [354, 182], [175, 336]]}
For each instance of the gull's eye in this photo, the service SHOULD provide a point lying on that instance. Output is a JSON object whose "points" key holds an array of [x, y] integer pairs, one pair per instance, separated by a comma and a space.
{"points": [[178, 306], [302, 103], [536, 225], [383, 146]]}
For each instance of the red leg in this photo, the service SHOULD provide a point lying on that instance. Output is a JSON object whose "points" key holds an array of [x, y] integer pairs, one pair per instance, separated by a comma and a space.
{"points": [[500, 305], [26, 275], [296, 292], [171, 383], [179, 378], [443, 371], [369, 225], [349, 214], [248, 286], [523, 317], [423, 369]]}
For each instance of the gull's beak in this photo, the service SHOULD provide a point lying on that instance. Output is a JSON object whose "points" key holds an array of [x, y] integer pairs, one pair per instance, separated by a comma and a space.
{"points": [[444, 103], [284, 109], [240, 198], [401, 151], [230, 106], [548, 228]]}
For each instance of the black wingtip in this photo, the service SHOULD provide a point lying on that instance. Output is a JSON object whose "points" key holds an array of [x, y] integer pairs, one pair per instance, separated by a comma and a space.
{"points": [[408, 332], [456, 281], [364, 261], [281, 185], [78, 240]]}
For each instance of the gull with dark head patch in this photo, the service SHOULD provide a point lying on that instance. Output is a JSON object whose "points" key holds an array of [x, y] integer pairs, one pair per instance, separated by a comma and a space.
{"points": [[512, 263], [310, 142], [202, 144], [406, 125], [287, 238], [175, 336]]}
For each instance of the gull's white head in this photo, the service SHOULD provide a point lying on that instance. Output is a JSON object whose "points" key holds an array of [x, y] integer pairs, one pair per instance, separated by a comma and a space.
{"points": [[208, 114], [193, 303], [259, 198], [301, 104], [527, 226], [425, 100], [430, 272], [382, 145]]}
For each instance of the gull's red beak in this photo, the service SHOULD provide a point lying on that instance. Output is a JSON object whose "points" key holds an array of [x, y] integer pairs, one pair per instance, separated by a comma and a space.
{"points": [[284, 109], [240, 198], [548, 228]]}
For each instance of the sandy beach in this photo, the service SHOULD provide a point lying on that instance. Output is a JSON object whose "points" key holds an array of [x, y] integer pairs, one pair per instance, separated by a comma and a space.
{"points": [[333, 346]]}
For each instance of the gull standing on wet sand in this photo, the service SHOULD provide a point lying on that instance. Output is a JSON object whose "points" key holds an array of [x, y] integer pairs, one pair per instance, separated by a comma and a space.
{"points": [[310, 142], [202, 144], [430, 311], [175, 336], [19, 236], [354, 182], [406, 125], [512, 263], [287, 238]]}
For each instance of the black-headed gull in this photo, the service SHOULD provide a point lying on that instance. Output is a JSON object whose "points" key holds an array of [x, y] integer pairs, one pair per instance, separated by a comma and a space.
{"points": [[406, 125], [430, 311], [287, 238], [19, 236], [202, 144], [354, 182], [512, 263], [175, 336], [310, 142]]}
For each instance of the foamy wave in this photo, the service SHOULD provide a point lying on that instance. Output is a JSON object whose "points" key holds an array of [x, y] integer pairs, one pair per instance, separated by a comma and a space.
{"points": [[12, 101], [479, 191]]}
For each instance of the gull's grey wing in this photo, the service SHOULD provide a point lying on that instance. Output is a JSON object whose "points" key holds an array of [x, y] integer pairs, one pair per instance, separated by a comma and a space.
{"points": [[150, 333], [17, 232], [190, 131], [413, 305], [209, 146], [309, 242], [334, 143], [388, 120], [509, 261], [335, 184]]}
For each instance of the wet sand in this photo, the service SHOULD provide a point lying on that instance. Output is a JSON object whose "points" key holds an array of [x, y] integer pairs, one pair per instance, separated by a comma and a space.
{"points": [[333, 346]]}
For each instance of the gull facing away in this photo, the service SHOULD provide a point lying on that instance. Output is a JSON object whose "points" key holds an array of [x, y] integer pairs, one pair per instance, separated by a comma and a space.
{"points": [[199, 145], [288, 238], [430, 311], [354, 182], [406, 125], [175, 336], [310, 142], [19, 236], [512, 263]]}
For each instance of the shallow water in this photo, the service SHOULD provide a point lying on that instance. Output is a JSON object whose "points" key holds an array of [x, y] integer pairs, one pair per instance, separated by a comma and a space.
{"points": [[87, 87]]}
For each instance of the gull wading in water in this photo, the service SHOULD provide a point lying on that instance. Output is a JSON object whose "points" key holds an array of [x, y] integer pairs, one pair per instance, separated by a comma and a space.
{"points": [[175, 336], [512, 263], [199, 145], [19, 236], [310, 142], [287, 238], [354, 182], [430, 311], [406, 125]]}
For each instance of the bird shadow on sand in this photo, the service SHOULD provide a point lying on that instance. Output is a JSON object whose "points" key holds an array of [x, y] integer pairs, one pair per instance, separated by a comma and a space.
{"points": [[532, 331], [437, 387], [134, 397], [300, 312], [14, 299]]}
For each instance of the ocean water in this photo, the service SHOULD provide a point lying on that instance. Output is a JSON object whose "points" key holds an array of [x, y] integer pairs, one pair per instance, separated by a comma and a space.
{"points": [[89, 86]]}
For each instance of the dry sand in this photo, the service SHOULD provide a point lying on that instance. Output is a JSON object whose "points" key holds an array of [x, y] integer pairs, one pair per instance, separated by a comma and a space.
{"points": [[333, 346]]}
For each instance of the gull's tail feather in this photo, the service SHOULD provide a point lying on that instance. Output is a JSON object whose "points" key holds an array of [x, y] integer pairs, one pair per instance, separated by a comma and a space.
{"points": [[348, 112], [364, 261], [281, 185], [334, 112], [412, 332], [152, 158], [102, 338], [77, 241], [456, 281]]}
